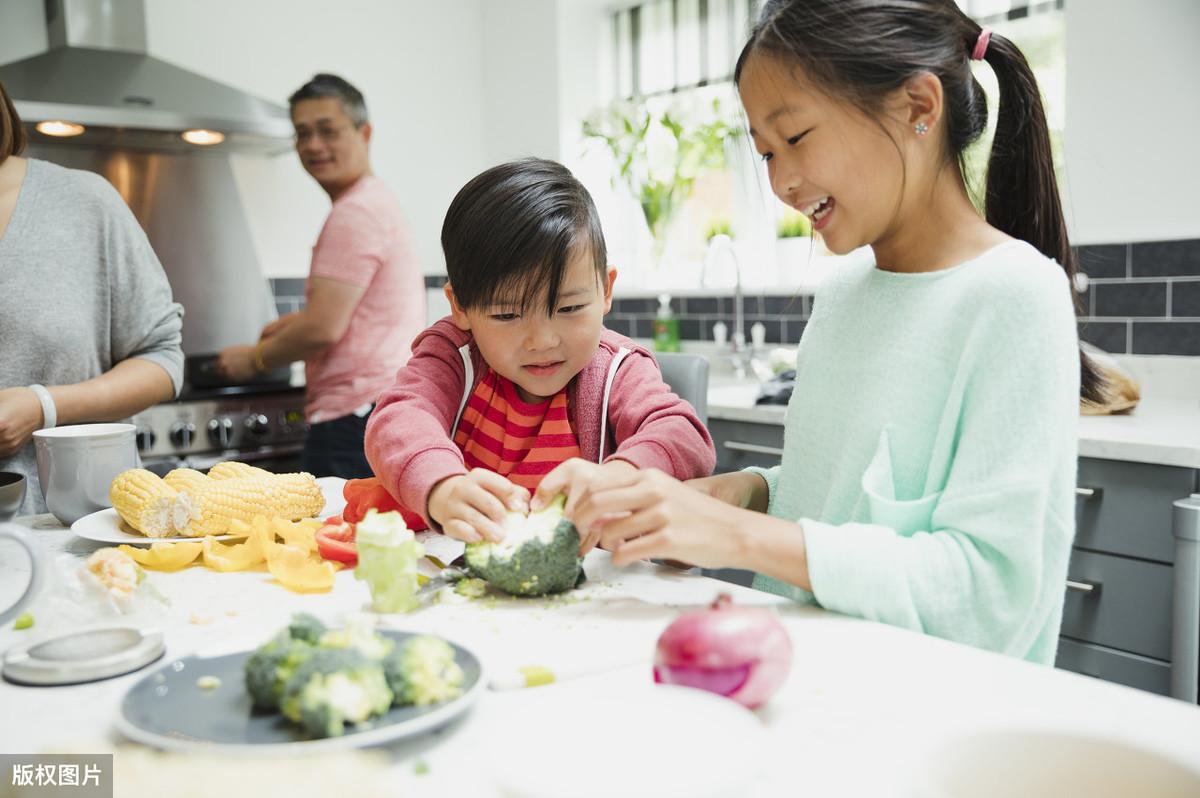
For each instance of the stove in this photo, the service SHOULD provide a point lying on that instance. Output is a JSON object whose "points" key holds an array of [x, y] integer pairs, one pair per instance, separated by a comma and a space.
{"points": [[261, 424]]}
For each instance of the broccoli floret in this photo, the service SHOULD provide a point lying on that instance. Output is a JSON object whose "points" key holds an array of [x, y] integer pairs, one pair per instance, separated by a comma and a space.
{"points": [[471, 588], [422, 671], [358, 634], [334, 687], [271, 665], [307, 628], [539, 553]]}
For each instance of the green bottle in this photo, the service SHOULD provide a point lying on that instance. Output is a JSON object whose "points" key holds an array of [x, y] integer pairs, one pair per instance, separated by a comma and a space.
{"points": [[666, 326]]}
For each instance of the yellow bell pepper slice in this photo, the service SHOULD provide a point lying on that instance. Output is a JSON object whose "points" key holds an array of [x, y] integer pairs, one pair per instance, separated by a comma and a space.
{"points": [[233, 557], [298, 571], [165, 556], [301, 534]]}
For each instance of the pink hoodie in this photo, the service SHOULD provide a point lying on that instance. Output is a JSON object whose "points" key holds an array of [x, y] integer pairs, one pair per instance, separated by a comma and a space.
{"points": [[409, 440]]}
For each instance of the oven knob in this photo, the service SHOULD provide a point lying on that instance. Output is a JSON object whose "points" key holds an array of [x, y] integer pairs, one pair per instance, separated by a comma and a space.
{"points": [[257, 425], [220, 431], [145, 439], [182, 433]]}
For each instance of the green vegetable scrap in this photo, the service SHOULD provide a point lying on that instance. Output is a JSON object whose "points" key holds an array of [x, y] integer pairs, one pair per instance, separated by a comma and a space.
{"points": [[538, 555], [23, 621], [471, 588]]}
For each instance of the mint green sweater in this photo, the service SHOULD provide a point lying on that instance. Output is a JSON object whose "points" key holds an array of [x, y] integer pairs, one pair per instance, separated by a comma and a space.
{"points": [[930, 449]]}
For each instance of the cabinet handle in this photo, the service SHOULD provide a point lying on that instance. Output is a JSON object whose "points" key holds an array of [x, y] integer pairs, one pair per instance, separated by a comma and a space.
{"points": [[1083, 587], [1089, 493], [754, 448]]}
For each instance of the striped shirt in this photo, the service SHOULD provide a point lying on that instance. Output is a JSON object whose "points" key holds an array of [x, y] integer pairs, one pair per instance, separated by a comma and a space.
{"points": [[502, 433]]}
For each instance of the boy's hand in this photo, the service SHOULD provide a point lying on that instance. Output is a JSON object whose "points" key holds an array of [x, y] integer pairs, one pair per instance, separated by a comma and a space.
{"points": [[578, 478], [470, 507]]}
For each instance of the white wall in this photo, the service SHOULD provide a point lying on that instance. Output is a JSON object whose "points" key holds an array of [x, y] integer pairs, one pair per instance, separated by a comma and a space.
{"points": [[1133, 120], [418, 63], [520, 79]]}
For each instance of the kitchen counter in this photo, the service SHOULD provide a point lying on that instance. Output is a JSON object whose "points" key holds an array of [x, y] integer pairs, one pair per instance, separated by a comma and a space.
{"points": [[864, 709], [1163, 431]]}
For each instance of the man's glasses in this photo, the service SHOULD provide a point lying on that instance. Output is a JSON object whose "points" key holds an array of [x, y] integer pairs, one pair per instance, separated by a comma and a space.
{"points": [[325, 134]]}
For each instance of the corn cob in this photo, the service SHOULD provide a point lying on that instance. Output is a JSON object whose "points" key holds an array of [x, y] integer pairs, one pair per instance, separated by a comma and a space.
{"points": [[231, 469], [145, 501], [183, 478], [209, 510]]}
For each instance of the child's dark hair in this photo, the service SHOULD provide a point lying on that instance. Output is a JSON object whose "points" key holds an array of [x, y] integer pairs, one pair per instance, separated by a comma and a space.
{"points": [[510, 231], [862, 50]]}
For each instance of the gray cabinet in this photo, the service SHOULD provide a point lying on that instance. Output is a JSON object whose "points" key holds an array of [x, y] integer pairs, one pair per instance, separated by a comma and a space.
{"points": [[741, 444], [1118, 619]]}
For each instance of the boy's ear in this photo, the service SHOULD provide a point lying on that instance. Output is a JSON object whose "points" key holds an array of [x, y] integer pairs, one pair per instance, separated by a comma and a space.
{"points": [[923, 98], [610, 277], [457, 314]]}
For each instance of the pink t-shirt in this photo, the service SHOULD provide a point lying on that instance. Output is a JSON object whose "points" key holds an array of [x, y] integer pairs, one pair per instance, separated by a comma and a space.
{"points": [[365, 242]]}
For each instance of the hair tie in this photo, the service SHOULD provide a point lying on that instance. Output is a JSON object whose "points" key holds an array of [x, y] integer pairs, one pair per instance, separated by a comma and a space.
{"points": [[981, 44]]}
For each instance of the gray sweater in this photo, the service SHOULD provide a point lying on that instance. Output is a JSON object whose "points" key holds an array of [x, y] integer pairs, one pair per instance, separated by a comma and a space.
{"points": [[80, 291]]}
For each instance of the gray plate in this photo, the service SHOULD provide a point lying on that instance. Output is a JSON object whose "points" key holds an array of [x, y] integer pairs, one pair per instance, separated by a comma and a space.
{"points": [[167, 709]]}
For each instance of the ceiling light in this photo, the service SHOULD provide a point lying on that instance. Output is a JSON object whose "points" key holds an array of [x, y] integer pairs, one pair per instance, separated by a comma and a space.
{"points": [[202, 137], [57, 127]]}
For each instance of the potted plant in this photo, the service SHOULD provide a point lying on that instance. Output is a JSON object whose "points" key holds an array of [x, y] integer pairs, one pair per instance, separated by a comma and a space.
{"points": [[659, 156], [793, 242]]}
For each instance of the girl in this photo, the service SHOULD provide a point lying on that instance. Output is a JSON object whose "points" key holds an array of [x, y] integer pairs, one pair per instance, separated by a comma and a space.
{"points": [[929, 458]]}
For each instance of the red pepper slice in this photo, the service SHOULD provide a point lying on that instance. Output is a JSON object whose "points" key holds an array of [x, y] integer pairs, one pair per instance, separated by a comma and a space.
{"points": [[335, 541]]}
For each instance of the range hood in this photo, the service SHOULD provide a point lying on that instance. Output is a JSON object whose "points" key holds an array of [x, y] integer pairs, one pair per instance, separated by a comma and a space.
{"points": [[98, 76]]}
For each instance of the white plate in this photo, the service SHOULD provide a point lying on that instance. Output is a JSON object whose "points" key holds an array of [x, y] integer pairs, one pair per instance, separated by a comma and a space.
{"points": [[106, 526], [166, 709], [670, 742]]}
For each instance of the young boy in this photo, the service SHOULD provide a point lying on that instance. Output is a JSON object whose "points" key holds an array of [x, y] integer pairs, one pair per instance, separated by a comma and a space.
{"points": [[522, 376]]}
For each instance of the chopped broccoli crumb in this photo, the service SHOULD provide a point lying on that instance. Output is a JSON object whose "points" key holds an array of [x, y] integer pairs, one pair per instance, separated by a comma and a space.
{"points": [[471, 588], [208, 682], [421, 767], [23, 621]]}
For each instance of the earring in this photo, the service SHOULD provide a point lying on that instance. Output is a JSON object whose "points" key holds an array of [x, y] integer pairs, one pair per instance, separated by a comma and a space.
{"points": [[921, 128]]}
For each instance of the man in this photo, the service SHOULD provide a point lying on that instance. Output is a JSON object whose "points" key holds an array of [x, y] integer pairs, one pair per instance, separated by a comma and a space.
{"points": [[365, 295]]}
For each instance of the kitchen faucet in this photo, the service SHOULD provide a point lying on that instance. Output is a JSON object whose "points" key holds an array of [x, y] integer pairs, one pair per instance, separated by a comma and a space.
{"points": [[739, 353]]}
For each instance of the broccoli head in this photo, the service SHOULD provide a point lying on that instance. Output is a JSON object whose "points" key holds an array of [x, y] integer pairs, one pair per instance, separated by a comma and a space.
{"points": [[538, 555], [422, 671], [307, 628], [333, 687], [271, 665], [358, 634]]}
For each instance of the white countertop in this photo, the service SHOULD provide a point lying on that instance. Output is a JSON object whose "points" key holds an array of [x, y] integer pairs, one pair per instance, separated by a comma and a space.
{"points": [[1163, 431], [862, 709]]}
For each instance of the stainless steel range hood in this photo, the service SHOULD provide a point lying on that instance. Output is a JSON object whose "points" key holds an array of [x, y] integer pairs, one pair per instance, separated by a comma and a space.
{"points": [[97, 74]]}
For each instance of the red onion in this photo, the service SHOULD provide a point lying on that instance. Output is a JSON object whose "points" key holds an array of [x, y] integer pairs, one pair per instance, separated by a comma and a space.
{"points": [[743, 653]]}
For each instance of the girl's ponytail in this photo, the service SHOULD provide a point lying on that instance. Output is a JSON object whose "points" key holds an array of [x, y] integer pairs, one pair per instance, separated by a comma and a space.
{"points": [[1022, 197]]}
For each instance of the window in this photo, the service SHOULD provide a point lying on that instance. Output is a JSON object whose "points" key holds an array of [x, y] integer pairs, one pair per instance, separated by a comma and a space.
{"points": [[677, 56]]}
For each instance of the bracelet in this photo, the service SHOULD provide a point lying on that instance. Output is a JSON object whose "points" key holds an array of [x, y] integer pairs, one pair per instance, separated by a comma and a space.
{"points": [[49, 411], [258, 358]]}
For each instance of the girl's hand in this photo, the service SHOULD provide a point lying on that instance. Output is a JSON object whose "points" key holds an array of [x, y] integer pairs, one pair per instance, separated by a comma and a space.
{"points": [[576, 477], [20, 415], [743, 489], [662, 518], [470, 507]]}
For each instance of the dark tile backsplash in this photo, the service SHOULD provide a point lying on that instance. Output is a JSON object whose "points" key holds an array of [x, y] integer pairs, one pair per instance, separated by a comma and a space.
{"points": [[1143, 298]]}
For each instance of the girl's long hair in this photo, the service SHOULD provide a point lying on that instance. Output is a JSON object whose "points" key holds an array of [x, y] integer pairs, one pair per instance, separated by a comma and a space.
{"points": [[863, 50]]}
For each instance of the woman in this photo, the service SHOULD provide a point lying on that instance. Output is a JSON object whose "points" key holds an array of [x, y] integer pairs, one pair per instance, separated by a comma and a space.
{"points": [[88, 330]]}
